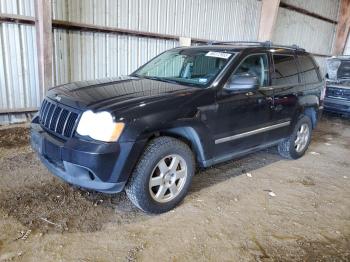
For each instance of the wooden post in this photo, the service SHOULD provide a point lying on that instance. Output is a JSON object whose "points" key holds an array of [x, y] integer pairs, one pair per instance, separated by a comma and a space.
{"points": [[43, 26], [268, 18], [342, 28]]}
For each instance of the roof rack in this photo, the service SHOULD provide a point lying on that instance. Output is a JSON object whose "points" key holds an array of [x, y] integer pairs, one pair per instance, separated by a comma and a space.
{"points": [[268, 44]]}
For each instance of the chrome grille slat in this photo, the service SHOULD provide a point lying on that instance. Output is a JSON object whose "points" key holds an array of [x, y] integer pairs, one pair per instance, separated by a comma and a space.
{"points": [[48, 115], [52, 115], [61, 110], [45, 112], [58, 119], [65, 124]]}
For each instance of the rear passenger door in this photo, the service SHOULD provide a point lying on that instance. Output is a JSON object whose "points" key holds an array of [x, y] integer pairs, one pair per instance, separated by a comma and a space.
{"points": [[286, 85]]}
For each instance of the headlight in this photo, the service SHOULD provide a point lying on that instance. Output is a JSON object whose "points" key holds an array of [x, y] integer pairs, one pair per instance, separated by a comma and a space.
{"points": [[99, 126]]}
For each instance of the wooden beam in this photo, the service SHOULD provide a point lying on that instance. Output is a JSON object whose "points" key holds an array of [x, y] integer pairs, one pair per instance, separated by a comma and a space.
{"points": [[18, 110], [115, 30], [307, 12], [342, 28], [18, 19], [43, 23], [268, 18]]}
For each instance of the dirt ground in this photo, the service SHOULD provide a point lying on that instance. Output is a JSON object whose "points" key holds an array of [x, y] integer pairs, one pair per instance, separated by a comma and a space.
{"points": [[227, 216]]}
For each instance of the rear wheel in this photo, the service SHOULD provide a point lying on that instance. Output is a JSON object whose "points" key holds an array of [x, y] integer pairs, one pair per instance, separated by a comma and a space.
{"points": [[162, 176], [295, 146]]}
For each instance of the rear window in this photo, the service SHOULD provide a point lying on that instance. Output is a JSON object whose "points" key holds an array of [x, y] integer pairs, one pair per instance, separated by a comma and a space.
{"points": [[286, 71], [308, 70]]}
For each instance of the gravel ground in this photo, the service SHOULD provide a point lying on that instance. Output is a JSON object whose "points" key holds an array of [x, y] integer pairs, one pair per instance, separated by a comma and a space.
{"points": [[257, 208]]}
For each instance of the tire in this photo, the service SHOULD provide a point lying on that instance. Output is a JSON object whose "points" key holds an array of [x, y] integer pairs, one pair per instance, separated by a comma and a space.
{"points": [[170, 164], [288, 147]]}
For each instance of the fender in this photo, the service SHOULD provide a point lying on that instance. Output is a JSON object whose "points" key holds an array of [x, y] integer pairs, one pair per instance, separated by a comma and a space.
{"points": [[190, 134], [308, 105], [192, 131]]}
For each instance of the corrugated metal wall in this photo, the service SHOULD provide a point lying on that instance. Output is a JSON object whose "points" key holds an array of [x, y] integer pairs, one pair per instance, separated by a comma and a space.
{"points": [[87, 55], [18, 62], [17, 7], [347, 47], [326, 8], [208, 19], [313, 34], [82, 55]]}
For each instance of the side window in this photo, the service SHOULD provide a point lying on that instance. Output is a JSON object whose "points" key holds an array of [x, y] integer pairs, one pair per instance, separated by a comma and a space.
{"points": [[307, 69], [255, 65], [286, 71]]}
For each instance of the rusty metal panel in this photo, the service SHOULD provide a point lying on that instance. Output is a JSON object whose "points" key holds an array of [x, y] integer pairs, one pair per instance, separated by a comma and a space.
{"points": [[310, 33], [326, 8]]}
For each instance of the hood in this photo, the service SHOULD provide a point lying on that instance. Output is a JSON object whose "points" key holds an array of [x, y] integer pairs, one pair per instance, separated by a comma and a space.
{"points": [[338, 68], [114, 94]]}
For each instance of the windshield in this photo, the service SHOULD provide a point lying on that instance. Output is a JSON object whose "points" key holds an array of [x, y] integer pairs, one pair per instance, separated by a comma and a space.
{"points": [[195, 67]]}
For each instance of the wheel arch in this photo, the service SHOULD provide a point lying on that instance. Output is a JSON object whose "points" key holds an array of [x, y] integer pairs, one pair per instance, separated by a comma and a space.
{"points": [[309, 106], [190, 136]]}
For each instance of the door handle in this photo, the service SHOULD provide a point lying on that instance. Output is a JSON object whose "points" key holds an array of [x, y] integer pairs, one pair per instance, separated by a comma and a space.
{"points": [[249, 93]]}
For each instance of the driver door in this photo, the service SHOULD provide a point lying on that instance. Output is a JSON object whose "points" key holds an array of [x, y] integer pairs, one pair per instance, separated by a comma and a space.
{"points": [[243, 114]]}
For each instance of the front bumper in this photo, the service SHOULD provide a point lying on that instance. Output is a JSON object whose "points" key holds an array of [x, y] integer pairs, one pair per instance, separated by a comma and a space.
{"points": [[336, 105], [104, 167]]}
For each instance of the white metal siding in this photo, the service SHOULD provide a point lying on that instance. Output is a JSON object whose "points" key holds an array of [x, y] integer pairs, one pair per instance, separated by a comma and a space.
{"points": [[17, 7], [84, 55], [326, 8], [18, 61], [313, 34], [347, 46], [18, 69], [208, 19]]}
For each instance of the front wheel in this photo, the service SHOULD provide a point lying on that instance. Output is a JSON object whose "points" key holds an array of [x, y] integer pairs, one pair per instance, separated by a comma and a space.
{"points": [[162, 176], [295, 146]]}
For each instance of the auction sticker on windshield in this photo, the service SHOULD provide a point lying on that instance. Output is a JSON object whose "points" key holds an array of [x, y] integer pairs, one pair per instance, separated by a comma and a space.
{"points": [[218, 54]]}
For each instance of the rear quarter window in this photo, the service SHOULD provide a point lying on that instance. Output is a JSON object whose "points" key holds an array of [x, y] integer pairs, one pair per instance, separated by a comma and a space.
{"points": [[308, 69], [286, 70]]}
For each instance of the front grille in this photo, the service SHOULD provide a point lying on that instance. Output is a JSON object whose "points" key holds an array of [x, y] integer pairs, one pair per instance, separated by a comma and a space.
{"points": [[336, 92], [58, 119]]}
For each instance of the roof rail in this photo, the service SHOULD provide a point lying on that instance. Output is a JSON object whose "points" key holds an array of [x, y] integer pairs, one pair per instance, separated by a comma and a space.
{"points": [[266, 43], [256, 43]]}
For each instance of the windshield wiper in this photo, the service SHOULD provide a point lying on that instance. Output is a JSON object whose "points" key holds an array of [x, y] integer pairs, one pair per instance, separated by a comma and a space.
{"points": [[166, 80]]}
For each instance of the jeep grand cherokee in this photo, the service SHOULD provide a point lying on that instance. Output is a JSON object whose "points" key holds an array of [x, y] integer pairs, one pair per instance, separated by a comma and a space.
{"points": [[145, 133]]}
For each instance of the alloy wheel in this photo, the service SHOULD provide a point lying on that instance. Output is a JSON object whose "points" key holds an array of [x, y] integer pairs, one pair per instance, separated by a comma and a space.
{"points": [[302, 138], [168, 178]]}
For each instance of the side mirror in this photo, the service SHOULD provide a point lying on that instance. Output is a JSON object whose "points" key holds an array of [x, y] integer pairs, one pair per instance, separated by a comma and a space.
{"points": [[243, 82]]}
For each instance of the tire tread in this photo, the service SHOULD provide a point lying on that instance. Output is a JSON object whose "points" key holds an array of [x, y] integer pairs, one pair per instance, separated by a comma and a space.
{"points": [[135, 186]]}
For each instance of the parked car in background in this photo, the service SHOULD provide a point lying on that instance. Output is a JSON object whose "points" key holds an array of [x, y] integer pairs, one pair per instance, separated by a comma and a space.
{"points": [[337, 98], [194, 106]]}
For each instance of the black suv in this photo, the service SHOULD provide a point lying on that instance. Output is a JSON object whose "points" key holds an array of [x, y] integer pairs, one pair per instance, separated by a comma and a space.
{"points": [[337, 98], [147, 132]]}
